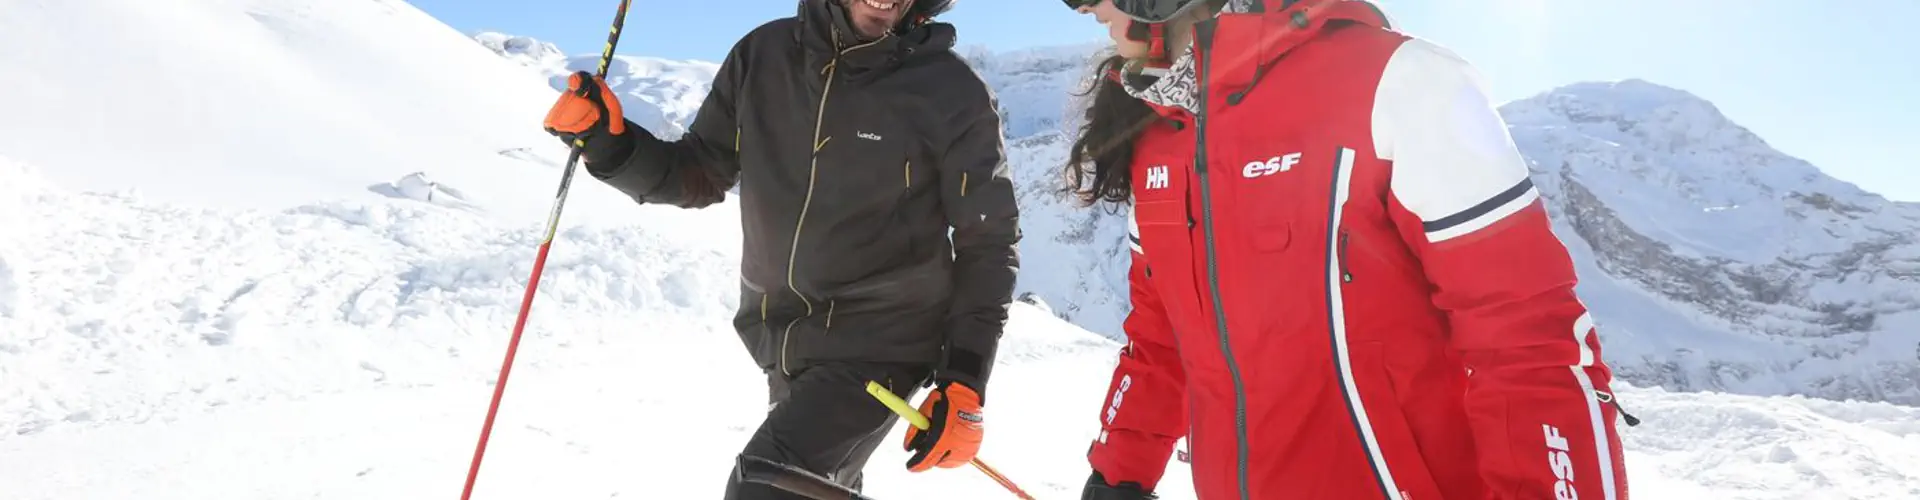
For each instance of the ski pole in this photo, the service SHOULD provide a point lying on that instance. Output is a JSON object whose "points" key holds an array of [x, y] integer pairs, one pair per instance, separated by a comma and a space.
{"points": [[919, 421], [540, 261]]}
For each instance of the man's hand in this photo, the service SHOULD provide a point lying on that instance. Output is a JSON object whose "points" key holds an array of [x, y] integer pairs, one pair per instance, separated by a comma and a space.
{"points": [[586, 109], [1098, 489], [956, 428]]}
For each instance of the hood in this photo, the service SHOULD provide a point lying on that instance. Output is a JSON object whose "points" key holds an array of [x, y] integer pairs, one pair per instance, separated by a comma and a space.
{"points": [[1268, 27], [825, 31]]}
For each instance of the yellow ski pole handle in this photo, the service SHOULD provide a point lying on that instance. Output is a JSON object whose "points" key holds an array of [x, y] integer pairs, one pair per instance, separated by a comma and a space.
{"points": [[913, 416], [898, 405]]}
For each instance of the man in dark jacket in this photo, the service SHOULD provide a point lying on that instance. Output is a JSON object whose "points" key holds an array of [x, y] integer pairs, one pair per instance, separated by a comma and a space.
{"points": [[858, 139]]}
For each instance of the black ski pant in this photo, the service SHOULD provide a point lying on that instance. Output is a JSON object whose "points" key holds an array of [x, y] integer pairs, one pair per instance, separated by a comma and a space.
{"points": [[822, 420]]}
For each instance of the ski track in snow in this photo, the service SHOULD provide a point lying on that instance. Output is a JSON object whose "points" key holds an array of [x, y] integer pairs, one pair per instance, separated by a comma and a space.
{"points": [[347, 350]]}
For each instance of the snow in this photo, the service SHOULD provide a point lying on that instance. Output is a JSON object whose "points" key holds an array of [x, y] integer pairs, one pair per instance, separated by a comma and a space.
{"points": [[347, 350], [1721, 190], [260, 99], [1789, 281], [297, 281], [1035, 86], [659, 94], [525, 51]]}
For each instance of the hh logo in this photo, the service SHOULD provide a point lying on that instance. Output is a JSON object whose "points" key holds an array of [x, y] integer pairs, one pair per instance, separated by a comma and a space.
{"points": [[1274, 165], [1157, 177]]}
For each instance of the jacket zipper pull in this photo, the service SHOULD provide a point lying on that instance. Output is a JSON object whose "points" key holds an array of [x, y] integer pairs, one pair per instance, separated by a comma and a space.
{"points": [[1346, 275], [1624, 416]]}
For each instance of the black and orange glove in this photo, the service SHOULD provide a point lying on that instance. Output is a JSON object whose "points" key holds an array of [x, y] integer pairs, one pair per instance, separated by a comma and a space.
{"points": [[589, 110], [957, 425], [1098, 489]]}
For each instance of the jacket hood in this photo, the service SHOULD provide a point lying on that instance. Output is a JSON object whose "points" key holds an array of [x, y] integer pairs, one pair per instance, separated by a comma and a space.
{"points": [[1257, 32], [825, 31]]}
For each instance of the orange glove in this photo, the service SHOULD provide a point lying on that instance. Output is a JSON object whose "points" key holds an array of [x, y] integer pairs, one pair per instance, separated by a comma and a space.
{"points": [[585, 109], [957, 427]]}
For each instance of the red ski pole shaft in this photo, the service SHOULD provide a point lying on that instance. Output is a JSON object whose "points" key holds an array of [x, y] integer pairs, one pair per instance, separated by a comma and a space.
{"points": [[539, 265]]}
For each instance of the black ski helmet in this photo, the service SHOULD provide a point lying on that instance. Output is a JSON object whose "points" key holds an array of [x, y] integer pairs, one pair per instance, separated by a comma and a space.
{"points": [[930, 8], [1149, 22], [1155, 11], [923, 11]]}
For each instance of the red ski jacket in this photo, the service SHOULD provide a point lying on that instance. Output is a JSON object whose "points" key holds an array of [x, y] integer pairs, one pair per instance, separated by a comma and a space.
{"points": [[1344, 284]]}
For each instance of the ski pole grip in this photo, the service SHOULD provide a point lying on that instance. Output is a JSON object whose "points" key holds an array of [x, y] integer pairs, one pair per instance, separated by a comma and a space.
{"points": [[914, 417], [898, 405]]}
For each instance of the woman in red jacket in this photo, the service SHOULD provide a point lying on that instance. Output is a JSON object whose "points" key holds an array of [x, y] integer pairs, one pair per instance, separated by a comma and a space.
{"points": [[1344, 284]]}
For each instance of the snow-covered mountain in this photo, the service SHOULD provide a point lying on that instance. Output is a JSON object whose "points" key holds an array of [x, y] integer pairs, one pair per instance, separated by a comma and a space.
{"points": [[671, 91], [1712, 261], [544, 57], [1716, 262]]}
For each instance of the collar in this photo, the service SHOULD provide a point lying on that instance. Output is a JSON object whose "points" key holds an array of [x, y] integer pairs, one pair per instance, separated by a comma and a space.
{"points": [[828, 37], [1270, 27]]}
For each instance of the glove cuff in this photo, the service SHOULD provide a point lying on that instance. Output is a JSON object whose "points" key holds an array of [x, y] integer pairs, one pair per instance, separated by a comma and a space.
{"points": [[606, 153], [1126, 455], [966, 367], [1098, 489]]}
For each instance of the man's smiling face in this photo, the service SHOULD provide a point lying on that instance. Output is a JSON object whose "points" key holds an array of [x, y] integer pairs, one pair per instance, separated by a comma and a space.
{"points": [[873, 18]]}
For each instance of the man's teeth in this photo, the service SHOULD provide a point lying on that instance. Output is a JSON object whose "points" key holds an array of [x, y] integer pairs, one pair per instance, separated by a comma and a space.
{"points": [[879, 5]]}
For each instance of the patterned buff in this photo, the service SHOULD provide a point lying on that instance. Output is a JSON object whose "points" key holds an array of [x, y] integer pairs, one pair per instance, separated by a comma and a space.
{"points": [[1176, 84]]}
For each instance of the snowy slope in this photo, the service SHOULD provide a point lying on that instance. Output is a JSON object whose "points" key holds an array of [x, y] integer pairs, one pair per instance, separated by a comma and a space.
{"points": [[345, 349], [232, 285], [259, 96], [272, 103], [542, 57]]}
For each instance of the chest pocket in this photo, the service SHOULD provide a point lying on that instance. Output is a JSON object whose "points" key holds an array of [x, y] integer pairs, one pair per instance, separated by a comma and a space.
{"points": [[1273, 183], [1161, 211], [864, 152], [1160, 192]]}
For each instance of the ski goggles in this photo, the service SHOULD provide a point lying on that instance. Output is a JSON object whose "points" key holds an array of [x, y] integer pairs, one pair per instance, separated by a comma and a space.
{"points": [[1146, 11]]}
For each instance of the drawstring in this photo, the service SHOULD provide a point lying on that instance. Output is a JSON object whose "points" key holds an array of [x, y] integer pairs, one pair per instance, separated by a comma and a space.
{"points": [[1628, 417], [1235, 97], [1300, 21], [1609, 399]]}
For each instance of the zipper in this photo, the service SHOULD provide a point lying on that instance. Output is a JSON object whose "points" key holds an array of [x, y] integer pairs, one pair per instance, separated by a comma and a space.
{"points": [[1346, 275], [829, 329], [1336, 238], [813, 171], [1213, 270]]}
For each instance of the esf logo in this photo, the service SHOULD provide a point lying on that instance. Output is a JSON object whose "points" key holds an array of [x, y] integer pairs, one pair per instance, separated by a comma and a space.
{"points": [[1270, 166]]}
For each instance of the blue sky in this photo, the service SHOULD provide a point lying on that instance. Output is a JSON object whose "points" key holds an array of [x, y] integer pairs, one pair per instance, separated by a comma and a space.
{"points": [[1836, 83]]}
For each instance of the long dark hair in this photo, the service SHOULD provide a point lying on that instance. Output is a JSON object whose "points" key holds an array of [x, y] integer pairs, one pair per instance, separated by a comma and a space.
{"points": [[1099, 162]]}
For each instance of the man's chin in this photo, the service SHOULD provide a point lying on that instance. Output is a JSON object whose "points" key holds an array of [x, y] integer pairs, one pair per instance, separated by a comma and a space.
{"points": [[872, 28]]}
